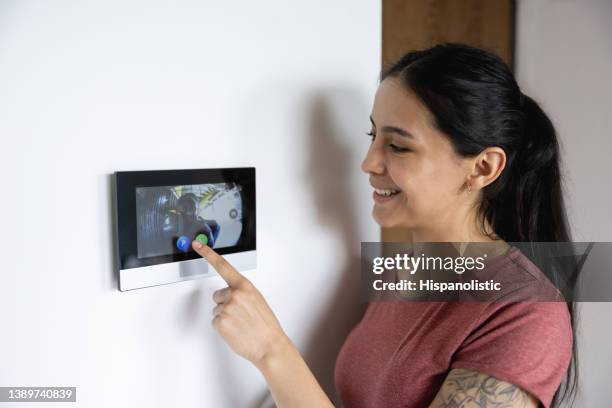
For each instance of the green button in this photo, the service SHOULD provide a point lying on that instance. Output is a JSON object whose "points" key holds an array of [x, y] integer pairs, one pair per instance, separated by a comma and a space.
{"points": [[202, 238]]}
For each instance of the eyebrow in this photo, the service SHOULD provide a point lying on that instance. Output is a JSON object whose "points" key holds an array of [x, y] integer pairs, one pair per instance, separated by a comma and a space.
{"points": [[394, 129]]}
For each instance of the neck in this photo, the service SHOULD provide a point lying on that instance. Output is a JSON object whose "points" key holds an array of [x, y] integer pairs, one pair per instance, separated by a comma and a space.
{"points": [[461, 229]]}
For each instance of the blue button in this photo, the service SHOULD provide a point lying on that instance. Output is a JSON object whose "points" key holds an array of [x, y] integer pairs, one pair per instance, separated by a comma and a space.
{"points": [[183, 243]]}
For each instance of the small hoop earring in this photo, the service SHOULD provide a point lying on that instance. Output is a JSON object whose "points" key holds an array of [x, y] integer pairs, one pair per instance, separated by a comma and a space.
{"points": [[469, 188]]}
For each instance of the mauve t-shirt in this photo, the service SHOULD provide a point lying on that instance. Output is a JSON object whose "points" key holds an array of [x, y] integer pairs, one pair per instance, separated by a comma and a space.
{"points": [[399, 354]]}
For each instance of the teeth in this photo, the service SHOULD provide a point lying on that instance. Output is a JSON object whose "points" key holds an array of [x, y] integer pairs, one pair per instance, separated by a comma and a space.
{"points": [[385, 192]]}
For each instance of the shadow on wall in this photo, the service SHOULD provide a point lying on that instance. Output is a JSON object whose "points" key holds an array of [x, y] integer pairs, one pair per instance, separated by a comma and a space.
{"points": [[330, 171]]}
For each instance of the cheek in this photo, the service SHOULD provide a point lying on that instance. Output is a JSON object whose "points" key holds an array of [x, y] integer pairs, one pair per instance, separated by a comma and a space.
{"points": [[427, 185], [406, 173], [414, 175], [441, 192]]}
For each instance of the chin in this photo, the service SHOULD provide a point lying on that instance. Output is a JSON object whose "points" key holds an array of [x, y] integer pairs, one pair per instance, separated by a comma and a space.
{"points": [[384, 220], [391, 220]]}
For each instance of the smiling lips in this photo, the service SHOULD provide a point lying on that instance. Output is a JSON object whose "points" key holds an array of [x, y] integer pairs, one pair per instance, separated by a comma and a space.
{"points": [[382, 195], [385, 192]]}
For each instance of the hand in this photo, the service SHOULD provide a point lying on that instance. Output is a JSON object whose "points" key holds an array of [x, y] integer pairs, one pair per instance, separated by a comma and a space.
{"points": [[242, 316]]}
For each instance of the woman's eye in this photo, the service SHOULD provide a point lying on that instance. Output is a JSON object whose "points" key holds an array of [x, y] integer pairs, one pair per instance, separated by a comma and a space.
{"points": [[393, 147], [398, 149]]}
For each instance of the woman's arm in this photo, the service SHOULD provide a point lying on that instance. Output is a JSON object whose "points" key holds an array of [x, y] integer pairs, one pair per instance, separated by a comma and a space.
{"points": [[248, 325], [291, 382], [470, 389]]}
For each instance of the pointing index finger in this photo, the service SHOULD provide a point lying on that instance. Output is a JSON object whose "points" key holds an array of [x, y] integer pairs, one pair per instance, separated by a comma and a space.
{"points": [[229, 274]]}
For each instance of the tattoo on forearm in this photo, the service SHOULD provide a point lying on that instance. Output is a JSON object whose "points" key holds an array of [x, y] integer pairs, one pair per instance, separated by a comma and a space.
{"points": [[469, 389]]}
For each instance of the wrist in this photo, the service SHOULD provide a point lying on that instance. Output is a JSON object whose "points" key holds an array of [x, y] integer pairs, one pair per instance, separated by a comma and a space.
{"points": [[277, 351]]}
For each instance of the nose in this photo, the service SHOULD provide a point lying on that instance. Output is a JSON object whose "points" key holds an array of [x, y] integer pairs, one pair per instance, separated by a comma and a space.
{"points": [[374, 161]]}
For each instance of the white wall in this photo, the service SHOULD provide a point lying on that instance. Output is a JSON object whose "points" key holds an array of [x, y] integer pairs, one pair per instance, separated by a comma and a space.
{"points": [[564, 60], [91, 87]]}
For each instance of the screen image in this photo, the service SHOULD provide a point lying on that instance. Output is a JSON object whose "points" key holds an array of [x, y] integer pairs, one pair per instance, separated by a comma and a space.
{"points": [[169, 218]]}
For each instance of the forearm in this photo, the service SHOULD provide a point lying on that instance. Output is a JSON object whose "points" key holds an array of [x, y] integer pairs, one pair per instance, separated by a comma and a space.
{"points": [[290, 381]]}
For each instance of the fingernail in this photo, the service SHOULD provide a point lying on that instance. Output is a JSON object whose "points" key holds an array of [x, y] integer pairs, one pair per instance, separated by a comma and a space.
{"points": [[197, 244]]}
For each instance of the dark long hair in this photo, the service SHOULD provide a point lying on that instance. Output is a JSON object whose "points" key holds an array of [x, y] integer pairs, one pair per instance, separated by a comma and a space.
{"points": [[475, 101]]}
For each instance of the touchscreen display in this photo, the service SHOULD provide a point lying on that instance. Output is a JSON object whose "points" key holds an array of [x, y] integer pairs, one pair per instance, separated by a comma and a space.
{"points": [[170, 218], [160, 213]]}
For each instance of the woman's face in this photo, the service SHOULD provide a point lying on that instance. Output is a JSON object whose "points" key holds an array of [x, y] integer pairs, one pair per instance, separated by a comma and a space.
{"points": [[415, 160]]}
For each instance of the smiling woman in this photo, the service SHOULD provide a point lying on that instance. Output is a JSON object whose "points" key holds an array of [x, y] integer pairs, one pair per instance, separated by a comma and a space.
{"points": [[458, 154]]}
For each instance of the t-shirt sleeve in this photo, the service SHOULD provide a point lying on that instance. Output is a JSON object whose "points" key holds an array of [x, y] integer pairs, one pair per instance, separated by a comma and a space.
{"points": [[528, 344]]}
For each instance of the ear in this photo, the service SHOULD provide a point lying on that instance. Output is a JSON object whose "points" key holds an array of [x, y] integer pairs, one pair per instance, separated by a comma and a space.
{"points": [[487, 166]]}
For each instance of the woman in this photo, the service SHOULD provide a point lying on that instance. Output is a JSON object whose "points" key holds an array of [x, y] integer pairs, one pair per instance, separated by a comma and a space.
{"points": [[458, 154]]}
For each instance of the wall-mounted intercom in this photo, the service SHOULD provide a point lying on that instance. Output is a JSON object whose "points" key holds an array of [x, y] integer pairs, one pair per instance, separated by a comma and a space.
{"points": [[160, 213]]}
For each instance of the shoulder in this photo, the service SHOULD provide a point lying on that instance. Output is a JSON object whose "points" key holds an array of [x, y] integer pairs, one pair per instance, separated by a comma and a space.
{"points": [[528, 327], [520, 279]]}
